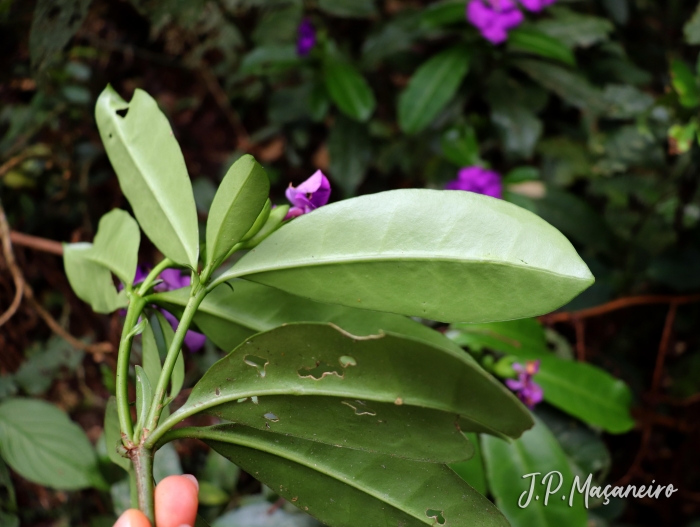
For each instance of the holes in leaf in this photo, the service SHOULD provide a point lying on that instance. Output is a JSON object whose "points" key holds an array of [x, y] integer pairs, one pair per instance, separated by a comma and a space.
{"points": [[217, 391], [271, 417], [360, 408], [436, 515], [256, 362], [320, 371], [122, 113], [346, 361]]}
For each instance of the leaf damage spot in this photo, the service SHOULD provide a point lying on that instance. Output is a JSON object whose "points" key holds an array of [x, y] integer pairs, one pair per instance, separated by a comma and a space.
{"points": [[398, 401], [437, 515], [217, 391], [122, 113], [257, 362], [360, 408], [271, 417], [346, 361], [320, 371]]}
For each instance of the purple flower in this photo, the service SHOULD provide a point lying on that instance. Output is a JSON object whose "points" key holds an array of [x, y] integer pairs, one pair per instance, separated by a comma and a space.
{"points": [[307, 37], [311, 194], [524, 387], [493, 18], [536, 5], [479, 180]]}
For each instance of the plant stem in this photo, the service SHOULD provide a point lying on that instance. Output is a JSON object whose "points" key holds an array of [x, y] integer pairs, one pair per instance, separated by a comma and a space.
{"points": [[142, 459], [136, 306], [173, 352], [153, 275]]}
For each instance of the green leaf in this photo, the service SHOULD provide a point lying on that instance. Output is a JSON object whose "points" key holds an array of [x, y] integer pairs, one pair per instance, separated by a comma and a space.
{"points": [[691, 30], [44, 446], [532, 40], [431, 88], [116, 244], [519, 127], [580, 389], [150, 349], [333, 483], [443, 255], [349, 8], [272, 223], [350, 150], [144, 396], [113, 437], [300, 359], [177, 378], [443, 13], [685, 83], [90, 281], [53, 25], [269, 59], [348, 89], [570, 86], [575, 29], [521, 175], [43, 365], [460, 146], [151, 171], [211, 495], [472, 470], [237, 204], [536, 451], [257, 512]]}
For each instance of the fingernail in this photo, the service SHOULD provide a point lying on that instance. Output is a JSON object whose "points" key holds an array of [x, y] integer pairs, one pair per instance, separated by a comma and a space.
{"points": [[196, 483], [185, 525]]}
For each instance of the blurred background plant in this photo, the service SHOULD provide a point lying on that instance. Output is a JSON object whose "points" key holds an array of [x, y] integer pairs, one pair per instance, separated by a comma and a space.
{"points": [[585, 112]]}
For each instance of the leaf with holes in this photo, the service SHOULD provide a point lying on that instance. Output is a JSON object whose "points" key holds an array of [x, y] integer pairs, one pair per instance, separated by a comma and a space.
{"points": [[91, 282], [43, 445], [151, 172], [443, 255], [431, 88], [236, 206], [333, 484], [229, 315], [394, 377]]}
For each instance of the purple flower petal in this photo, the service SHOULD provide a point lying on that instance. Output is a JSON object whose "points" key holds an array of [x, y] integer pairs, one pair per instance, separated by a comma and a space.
{"points": [[536, 5], [478, 180], [193, 340], [173, 279], [528, 391], [307, 37], [309, 195], [493, 18]]}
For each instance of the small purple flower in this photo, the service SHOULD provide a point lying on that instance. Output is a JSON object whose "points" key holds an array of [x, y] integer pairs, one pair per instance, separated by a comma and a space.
{"points": [[493, 18], [529, 392], [479, 180], [311, 194], [307, 37], [536, 5]]}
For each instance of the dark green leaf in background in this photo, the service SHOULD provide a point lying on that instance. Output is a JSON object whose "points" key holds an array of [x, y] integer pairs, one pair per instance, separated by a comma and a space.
{"points": [[350, 150], [348, 8], [112, 434], [472, 470], [460, 145], [685, 83], [432, 86], [532, 40], [348, 89], [575, 29], [691, 30]]}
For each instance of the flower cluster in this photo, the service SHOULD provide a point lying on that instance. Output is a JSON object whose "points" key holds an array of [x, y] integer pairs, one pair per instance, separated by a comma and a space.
{"points": [[479, 180], [524, 387], [311, 194], [494, 18]]}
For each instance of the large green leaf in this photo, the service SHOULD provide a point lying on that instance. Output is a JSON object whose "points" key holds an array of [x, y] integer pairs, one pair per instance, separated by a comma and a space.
{"points": [[580, 389], [116, 244], [91, 281], [444, 255], [472, 470], [348, 89], [44, 446], [339, 486], [431, 88], [236, 206], [322, 360], [151, 172], [536, 451]]}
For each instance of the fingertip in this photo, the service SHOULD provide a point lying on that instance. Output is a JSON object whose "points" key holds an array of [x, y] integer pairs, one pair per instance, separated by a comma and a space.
{"points": [[176, 501], [132, 518]]}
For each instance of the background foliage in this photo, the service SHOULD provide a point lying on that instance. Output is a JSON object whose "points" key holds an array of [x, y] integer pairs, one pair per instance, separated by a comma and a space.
{"points": [[593, 127]]}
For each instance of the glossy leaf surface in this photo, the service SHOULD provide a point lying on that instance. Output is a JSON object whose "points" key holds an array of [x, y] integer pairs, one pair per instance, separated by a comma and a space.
{"points": [[349, 90], [237, 204], [443, 255], [339, 485], [536, 451], [43, 445], [472, 470], [580, 389], [116, 244], [321, 360], [151, 171], [431, 88], [228, 316], [91, 282]]}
